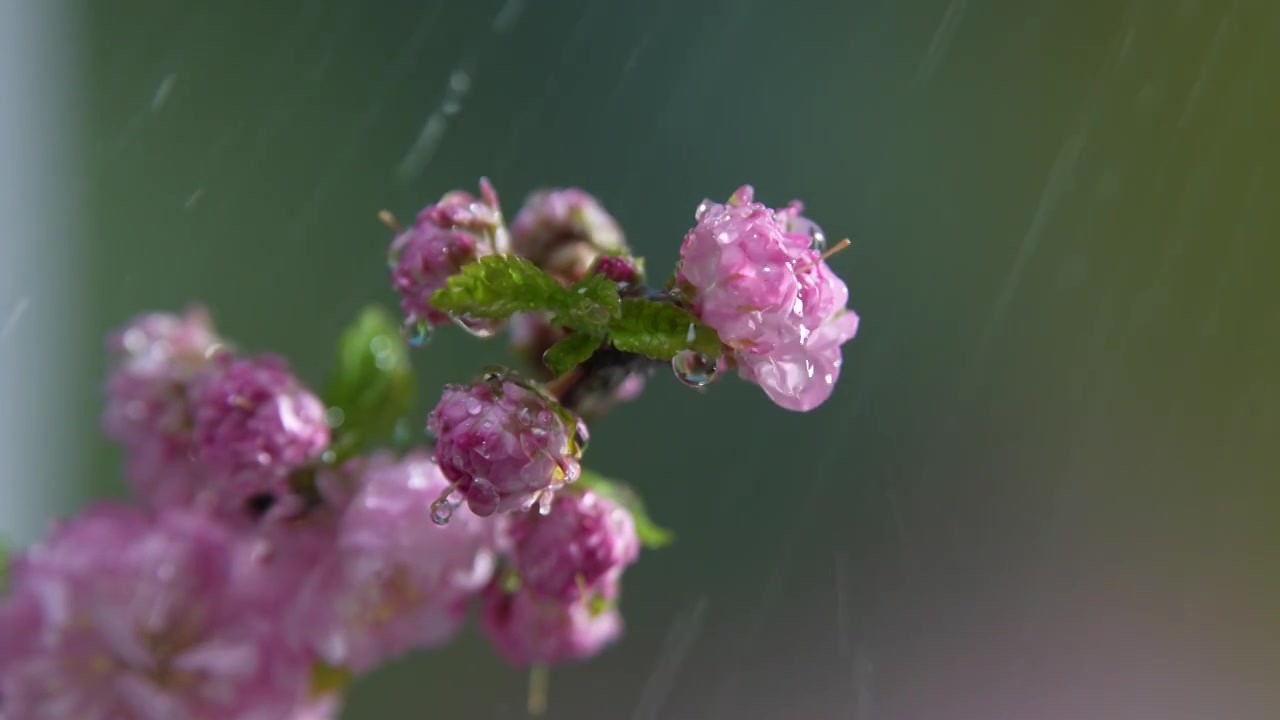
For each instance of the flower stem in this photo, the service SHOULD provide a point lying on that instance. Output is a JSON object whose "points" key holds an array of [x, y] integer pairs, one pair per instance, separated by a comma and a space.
{"points": [[539, 682]]}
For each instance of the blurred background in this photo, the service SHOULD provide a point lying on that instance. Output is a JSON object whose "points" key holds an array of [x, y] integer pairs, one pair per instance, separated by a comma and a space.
{"points": [[1046, 484]]}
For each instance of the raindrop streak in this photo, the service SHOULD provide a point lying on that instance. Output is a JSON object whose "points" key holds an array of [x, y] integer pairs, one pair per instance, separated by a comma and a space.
{"points": [[14, 316], [162, 91], [441, 511], [428, 140], [693, 368], [416, 332]]}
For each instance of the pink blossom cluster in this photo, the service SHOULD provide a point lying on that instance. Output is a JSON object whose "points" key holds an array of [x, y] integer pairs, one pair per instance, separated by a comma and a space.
{"points": [[249, 559], [263, 561], [756, 275]]}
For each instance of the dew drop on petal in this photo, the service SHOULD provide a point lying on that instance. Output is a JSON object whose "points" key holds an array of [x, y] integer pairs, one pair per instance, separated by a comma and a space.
{"points": [[818, 239], [693, 368], [581, 436], [441, 511]]}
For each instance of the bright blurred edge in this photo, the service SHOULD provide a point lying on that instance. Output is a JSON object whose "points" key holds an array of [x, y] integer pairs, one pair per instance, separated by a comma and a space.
{"points": [[43, 337]]}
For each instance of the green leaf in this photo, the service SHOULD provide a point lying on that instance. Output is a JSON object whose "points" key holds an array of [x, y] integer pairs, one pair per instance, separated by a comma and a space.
{"points": [[590, 304], [659, 330], [651, 534], [372, 385], [571, 351], [497, 287]]}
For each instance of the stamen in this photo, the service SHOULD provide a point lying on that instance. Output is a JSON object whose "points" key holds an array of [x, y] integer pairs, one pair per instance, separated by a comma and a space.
{"points": [[842, 245], [386, 218]]}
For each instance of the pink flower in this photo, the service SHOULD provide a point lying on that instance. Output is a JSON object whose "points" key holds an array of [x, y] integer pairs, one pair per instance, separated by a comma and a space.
{"points": [[576, 551], [754, 275], [126, 616], [527, 629], [293, 537], [504, 446], [801, 376], [163, 475], [395, 580], [751, 279], [155, 358], [563, 231], [255, 423], [447, 235]]}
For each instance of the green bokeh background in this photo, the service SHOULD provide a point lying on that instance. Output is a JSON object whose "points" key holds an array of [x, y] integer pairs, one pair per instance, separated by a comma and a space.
{"points": [[1045, 484]]}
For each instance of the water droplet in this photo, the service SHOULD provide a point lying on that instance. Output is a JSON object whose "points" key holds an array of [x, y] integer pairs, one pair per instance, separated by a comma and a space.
{"points": [[525, 416], [703, 207], [474, 327], [328, 457], [817, 238], [693, 368], [581, 436], [544, 502], [264, 458], [441, 511], [334, 416], [416, 332], [598, 314]]}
